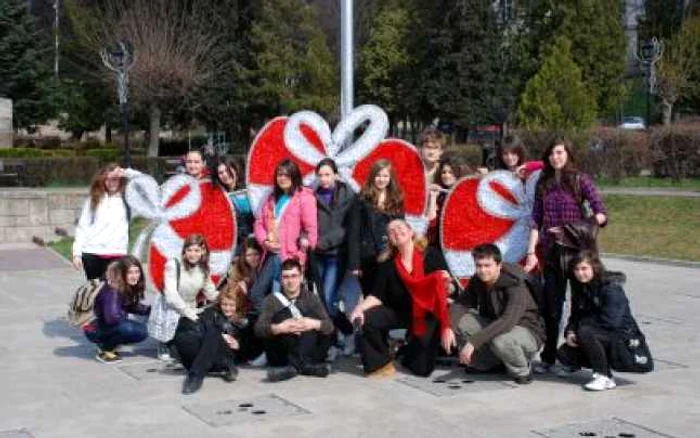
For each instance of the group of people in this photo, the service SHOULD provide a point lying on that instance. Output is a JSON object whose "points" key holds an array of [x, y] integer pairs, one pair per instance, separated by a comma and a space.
{"points": [[321, 271]]}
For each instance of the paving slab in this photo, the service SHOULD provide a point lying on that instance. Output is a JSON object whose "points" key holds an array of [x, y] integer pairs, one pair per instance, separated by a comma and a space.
{"points": [[52, 387]]}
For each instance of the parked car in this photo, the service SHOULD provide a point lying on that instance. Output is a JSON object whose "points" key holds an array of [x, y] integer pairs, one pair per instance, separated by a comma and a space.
{"points": [[633, 122]]}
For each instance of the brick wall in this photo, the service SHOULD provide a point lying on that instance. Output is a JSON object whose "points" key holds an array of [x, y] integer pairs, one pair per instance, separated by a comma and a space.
{"points": [[28, 213]]}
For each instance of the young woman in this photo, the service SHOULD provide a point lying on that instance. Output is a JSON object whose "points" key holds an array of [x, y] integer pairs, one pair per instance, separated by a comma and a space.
{"points": [[285, 228], [184, 280], [333, 202], [214, 344], [511, 155], [405, 296], [102, 233], [600, 314], [449, 171], [244, 271], [560, 199], [121, 295], [379, 202], [227, 176]]}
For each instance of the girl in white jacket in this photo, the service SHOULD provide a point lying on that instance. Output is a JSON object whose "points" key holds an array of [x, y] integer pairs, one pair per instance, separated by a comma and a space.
{"points": [[102, 234]]}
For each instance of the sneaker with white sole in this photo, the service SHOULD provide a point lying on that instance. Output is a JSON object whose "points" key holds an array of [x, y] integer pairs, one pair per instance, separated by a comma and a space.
{"points": [[164, 353], [600, 383], [105, 356]]}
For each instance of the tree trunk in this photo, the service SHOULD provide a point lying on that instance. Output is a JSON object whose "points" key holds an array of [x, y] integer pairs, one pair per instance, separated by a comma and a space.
{"points": [[154, 131], [667, 111]]}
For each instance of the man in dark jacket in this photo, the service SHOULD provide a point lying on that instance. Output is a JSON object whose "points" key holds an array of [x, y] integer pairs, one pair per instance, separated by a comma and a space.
{"points": [[497, 322], [295, 328]]}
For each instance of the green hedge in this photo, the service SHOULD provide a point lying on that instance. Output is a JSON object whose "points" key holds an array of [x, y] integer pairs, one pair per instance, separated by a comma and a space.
{"points": [[34, 153]]}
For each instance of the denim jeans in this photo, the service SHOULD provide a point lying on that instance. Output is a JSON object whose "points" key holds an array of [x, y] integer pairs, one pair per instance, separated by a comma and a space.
{"points": [[109, 337], [268, 279], [328, 267]]}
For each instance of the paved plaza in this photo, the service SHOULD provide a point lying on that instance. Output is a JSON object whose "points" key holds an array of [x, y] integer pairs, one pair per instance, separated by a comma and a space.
{"points": [[52, 386]]}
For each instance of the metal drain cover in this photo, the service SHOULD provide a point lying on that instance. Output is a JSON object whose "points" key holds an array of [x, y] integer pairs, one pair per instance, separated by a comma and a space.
{"points": [[608, 428], [456, 383], [259, 408]]}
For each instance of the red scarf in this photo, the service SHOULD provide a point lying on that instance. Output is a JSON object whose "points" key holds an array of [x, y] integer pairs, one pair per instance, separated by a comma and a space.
{"points": [[428, 293]]}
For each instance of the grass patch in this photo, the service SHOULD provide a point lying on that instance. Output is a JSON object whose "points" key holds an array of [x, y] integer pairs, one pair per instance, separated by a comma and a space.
{"points": [[654, 226], [64, 246], [690, 184]]}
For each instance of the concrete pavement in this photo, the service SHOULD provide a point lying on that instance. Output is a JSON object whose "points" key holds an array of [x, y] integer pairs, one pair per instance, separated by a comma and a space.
{"points": [[51, 385]]}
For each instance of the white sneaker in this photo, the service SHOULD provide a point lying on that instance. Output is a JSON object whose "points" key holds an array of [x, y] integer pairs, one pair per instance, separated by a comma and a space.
{"points": [[600, 383], [349, 348], [164, 353], [259, 361], [333, 353]]}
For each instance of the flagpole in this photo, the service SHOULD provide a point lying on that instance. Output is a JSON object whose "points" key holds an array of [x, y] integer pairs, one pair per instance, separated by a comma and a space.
{"points": [[346, 58]]}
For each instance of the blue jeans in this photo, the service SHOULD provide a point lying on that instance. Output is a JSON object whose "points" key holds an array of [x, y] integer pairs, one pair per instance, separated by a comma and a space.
{"points": [[268, 278], [126, 332], [328, 267]]}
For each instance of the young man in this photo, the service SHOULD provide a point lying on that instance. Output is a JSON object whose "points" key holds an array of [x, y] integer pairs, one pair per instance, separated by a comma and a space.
{"points": [[497, 321], [295, 328], [195, 165], [432, 143]]}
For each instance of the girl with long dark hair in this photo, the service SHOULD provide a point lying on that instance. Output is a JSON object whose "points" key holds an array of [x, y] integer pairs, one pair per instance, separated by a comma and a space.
{"points": [[564, 195], [229, 176], [286, 227], [380, 201], [120, 295]]}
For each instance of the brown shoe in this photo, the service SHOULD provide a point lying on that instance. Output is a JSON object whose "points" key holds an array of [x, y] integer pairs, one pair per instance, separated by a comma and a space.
{"points": [[387, 370]]}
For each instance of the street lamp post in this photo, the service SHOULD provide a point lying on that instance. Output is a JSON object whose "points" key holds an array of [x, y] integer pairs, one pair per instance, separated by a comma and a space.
{"points": [[120, 61], [649, 54]]}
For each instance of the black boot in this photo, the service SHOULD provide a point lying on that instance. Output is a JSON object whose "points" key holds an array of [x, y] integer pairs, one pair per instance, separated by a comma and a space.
{"points": [[316, 370], [279, 374], [230, 373], [192, 384]]}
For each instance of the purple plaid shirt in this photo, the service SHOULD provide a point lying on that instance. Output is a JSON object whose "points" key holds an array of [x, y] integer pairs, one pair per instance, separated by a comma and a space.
{"points": [[559, 207]]}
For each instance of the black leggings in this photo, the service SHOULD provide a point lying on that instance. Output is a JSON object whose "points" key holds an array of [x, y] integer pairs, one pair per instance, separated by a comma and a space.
{"points": [[202, 349], [420, 352], [592, 352], [95, 266]]}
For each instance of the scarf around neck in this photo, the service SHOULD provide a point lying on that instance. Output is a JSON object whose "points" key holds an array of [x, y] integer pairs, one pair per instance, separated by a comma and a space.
{"points": [[428, 293]]}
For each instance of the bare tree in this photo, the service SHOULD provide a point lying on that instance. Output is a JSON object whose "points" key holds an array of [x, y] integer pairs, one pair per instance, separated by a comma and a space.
{"points": [[676, 67], [175, 42]]}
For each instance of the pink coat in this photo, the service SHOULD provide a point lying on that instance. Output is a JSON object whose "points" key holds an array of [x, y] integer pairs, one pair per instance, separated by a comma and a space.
{"points": [[299, 217]]}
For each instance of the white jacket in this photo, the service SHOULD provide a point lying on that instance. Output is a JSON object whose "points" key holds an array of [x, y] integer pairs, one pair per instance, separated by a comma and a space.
{"points": [[106, 232]]}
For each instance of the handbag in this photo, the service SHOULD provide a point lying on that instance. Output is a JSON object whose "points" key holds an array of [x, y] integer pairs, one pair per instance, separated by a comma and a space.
{"points": [[163, 319], [630, 353], [162, 323]]}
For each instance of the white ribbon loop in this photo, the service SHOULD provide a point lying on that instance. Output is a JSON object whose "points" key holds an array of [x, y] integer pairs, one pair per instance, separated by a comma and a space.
{"points": [[376, 130], [299, 145], [147, 200]]}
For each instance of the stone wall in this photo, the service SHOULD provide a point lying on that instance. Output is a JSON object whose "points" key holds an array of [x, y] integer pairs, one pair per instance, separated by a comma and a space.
{"points": [[5, 123], [28, 213]]}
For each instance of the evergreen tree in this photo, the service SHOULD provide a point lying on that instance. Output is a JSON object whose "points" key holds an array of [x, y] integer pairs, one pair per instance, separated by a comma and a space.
{"points": [[25, 76], [384, 59], [293, 69], [459, 77], [598, 45], [556, 98]]}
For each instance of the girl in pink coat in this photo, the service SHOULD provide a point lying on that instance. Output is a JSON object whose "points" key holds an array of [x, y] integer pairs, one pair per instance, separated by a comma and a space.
{"points": [[286, 227]]}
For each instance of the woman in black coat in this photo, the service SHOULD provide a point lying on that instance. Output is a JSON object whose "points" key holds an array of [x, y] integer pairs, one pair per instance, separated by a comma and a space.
{"points": [[601, 333], [379, 202], [333, 201]]}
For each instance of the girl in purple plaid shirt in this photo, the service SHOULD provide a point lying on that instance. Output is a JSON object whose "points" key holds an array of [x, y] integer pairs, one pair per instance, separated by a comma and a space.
{"points": [[559, 200]]}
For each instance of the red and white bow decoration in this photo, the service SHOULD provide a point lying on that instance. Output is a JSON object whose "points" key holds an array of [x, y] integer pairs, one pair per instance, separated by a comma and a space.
{"points": [[306, 138], [178, 200], [493, 209]]}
